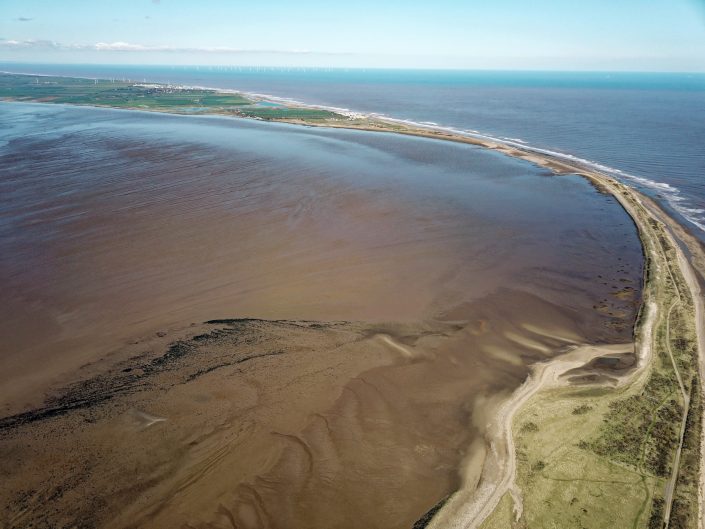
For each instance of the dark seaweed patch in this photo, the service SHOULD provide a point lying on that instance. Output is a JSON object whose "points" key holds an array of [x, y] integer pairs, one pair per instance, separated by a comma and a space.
{"points": [[129, 378], [422, 522]]}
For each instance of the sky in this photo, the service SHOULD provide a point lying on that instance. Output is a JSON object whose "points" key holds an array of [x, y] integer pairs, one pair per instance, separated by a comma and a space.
{"points": [[623, 35]]}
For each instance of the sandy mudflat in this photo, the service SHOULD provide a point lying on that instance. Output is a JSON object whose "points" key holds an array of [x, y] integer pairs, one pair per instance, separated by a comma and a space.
{"points": [[275, 423]]}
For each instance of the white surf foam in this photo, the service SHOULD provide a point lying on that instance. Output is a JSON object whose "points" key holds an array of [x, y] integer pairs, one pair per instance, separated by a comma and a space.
{"points": [[669, 193]]}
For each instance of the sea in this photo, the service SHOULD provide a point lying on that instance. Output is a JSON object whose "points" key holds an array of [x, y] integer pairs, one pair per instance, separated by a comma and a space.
{"points": [[647, 129]]}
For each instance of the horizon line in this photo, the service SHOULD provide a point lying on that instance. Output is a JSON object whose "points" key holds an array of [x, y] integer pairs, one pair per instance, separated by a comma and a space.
{"points": [[354, 68]]}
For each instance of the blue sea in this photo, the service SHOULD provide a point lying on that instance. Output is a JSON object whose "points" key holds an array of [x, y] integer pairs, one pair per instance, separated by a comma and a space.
{"points": [[647, 129]]}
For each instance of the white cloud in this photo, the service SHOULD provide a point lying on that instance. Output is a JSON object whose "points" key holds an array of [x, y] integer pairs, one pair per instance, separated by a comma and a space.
{"points": [[21, 44], [120, 46]]}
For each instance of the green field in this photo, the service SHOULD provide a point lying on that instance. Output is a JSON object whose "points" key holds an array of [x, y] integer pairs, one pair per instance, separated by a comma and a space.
{"points": [[159, 98], [287, 113]]}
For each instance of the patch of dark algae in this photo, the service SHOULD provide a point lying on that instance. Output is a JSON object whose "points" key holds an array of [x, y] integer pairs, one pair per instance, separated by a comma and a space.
{"points": [[195, 357], [422, 522]]}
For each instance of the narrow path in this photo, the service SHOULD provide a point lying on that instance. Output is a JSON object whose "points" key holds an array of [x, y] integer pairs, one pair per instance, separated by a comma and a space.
{"points": [[698, 298], [671, 485]]}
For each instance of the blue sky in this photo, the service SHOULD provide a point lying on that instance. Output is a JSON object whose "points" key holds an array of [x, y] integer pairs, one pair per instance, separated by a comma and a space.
{"points": [[642, 35]]}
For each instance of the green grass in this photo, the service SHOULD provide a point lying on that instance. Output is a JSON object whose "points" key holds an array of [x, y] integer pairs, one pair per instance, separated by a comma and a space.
{"points": [[288, 113], [120, 94], [565, 484], [685, 505], [114, 94], [641, 430], [503, 515]]}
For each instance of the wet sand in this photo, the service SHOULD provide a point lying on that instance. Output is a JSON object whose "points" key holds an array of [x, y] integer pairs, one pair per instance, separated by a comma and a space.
{"points": [[403, 288], [277, 424]]}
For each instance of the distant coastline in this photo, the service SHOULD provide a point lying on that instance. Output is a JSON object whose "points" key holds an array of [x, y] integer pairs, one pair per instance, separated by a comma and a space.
{"points": [[672, 196]]}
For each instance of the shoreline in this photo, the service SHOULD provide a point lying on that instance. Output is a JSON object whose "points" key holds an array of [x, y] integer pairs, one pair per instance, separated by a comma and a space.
{"points": [[476, 504], [640, 208]]}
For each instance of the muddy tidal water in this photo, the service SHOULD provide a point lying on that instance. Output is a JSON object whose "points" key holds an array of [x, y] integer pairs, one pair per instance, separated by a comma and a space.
{"points": [[417, 279]]}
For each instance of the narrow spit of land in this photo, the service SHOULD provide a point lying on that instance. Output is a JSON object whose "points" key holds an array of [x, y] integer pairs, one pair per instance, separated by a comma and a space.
{"points": [[576, 445], [625, 450]]}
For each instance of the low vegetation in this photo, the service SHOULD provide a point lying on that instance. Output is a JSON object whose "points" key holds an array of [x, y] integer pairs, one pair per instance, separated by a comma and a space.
{"points": [[121, 94], [156, 97], [640, 430], [287, 113]]}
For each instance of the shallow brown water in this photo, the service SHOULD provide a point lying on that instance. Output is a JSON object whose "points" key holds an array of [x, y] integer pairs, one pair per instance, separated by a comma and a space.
{"points": [[119, 225]]}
